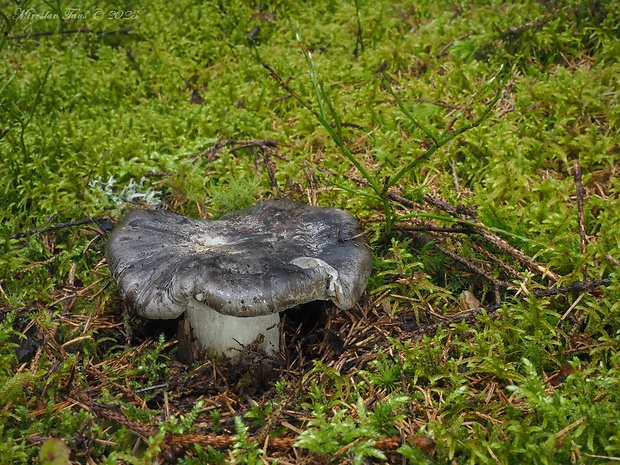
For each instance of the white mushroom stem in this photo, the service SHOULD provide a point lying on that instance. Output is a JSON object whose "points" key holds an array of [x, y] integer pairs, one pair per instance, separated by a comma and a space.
{"points": [[231, 335]]}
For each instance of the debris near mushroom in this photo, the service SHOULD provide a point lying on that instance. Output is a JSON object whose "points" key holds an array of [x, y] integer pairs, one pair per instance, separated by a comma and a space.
{"points": [[231, 277]]}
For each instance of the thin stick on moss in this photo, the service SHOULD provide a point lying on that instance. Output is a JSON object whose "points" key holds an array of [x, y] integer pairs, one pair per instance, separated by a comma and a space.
{"points": [[579, 188], [82, 30], [489, 236], [470, 316], [336, 136], [445, 137], [55, 227]]}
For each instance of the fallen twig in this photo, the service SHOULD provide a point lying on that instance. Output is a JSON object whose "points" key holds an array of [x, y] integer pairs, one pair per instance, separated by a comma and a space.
{"points": [[471, 267], [578, 286], [494, 239], [68, 224], [82, 30], [513, 32], [431, 228], [176, 444], [446, 47], [579, 185], [460, 213], [264, 144]]}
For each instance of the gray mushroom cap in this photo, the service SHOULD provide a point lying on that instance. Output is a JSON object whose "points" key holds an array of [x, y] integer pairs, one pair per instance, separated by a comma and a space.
{"points": [[256, 261]]}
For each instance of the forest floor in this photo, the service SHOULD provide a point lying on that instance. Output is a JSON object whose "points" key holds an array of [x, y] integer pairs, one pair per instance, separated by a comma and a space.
{"points": [[476, 144]]}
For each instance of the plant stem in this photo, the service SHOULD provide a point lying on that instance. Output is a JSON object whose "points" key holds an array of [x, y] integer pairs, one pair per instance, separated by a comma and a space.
{"points": [[443, 139], [337, 137], [335, 132]]}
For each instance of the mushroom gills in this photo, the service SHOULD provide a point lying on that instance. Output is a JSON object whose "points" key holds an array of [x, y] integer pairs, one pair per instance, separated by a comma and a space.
{"points": [[232, 336]]}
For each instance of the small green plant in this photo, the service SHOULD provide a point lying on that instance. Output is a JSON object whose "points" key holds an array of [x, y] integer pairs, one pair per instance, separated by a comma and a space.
{"points": [[328, 117], [233, 195], [202, 456], [384, 373], [333, 433], [147, 456], [329, 435], [244, 451], [184, 423]]}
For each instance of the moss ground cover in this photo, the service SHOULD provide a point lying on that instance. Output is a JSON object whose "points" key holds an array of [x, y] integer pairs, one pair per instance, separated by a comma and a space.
{"points": [[477, 143]]}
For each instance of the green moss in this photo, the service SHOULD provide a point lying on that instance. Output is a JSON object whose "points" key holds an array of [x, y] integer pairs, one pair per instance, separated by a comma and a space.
{"points": [[126, 113]]}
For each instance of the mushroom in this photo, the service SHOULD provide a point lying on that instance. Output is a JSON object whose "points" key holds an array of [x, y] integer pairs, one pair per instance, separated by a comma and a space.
{"points": [[231, 277]]}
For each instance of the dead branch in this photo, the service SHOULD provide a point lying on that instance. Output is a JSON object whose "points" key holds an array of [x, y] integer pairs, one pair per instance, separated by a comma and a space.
{"points": [[497, 241], [446, 47], [579, 186], [513, 33], [430, 228], [266, 145], [82, 30], [470, 266], [514, 273], [55, 227], [469, 317], [437, 202], [176, 444]]}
